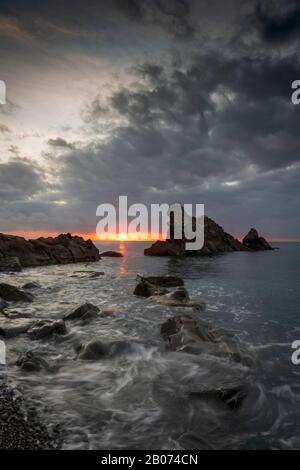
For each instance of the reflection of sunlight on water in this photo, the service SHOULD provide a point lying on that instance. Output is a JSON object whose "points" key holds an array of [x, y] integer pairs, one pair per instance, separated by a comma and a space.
{"points": [[122, 269]]}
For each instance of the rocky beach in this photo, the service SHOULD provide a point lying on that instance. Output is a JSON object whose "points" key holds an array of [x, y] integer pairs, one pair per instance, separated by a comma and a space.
{"points": [[88, 338]]}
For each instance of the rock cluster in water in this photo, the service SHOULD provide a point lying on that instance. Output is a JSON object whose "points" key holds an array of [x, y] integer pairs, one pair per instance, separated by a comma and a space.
{"points": [[16, 252], [216, 241]]}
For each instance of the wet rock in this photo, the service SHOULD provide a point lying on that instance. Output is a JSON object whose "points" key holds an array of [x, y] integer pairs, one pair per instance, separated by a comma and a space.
{"points": [[84, 312], [163, 281], [145, 289], [31, 361], [179, 298], [184, 333], [63, 249], [12, 293], [10, 328], [31, 285], [22, 428], [111, 254], [10, 264], [252, 241], [44, 328]]}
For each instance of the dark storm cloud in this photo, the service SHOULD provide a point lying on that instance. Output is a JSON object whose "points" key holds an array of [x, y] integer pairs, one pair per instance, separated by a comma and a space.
{"points": [[19, 179], [278, 21]]}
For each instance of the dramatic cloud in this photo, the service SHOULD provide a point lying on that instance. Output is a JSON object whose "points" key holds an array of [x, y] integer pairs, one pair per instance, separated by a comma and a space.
{"points": [[163, 101]]}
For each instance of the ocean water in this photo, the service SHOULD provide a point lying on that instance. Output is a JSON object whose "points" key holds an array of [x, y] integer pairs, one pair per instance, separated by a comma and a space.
{"points": [[141, 398]]}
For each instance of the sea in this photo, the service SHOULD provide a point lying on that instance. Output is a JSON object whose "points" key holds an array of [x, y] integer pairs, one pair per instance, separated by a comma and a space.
{"points": [[146, 396]]}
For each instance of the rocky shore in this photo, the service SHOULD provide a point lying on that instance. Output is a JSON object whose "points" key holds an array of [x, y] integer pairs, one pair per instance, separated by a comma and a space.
{"points": [[16, 252]]}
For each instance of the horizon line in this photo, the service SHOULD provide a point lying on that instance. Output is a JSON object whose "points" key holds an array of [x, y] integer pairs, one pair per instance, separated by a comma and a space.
{"points": [[122, 237]]}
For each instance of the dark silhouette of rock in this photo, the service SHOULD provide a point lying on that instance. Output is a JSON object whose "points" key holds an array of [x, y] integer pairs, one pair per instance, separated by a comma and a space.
{"points": [[233, 396], [63, 249], [252, 241], [10, 264], [216, 241], [111, 254], [44, 328], [12, 293], [84, 312]]}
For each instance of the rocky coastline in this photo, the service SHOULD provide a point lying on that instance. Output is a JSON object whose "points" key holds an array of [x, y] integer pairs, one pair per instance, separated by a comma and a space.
{"points": [[17, 252]]}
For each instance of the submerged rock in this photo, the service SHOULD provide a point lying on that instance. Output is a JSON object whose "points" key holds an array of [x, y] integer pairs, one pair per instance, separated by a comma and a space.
{"points": [[252, 241], [45, 251], [184, 333], [84, 312], [31, 285], [31, 361], [44, 328], [10, 328], [111, 254], [95, 349], [10, 264], [12, 293]]}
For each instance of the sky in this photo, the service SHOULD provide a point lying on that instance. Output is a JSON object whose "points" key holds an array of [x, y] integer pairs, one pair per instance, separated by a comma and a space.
{"points": [[163, 101]]}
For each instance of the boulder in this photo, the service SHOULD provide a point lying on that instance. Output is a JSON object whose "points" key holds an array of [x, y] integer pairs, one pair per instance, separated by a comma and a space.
{"points": [[252, 241], [44, 328], [13, 294], [166, 248], [45, 251], [10, 264], [31, 285], [84, 312], [10, 328], [111, 254]]}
